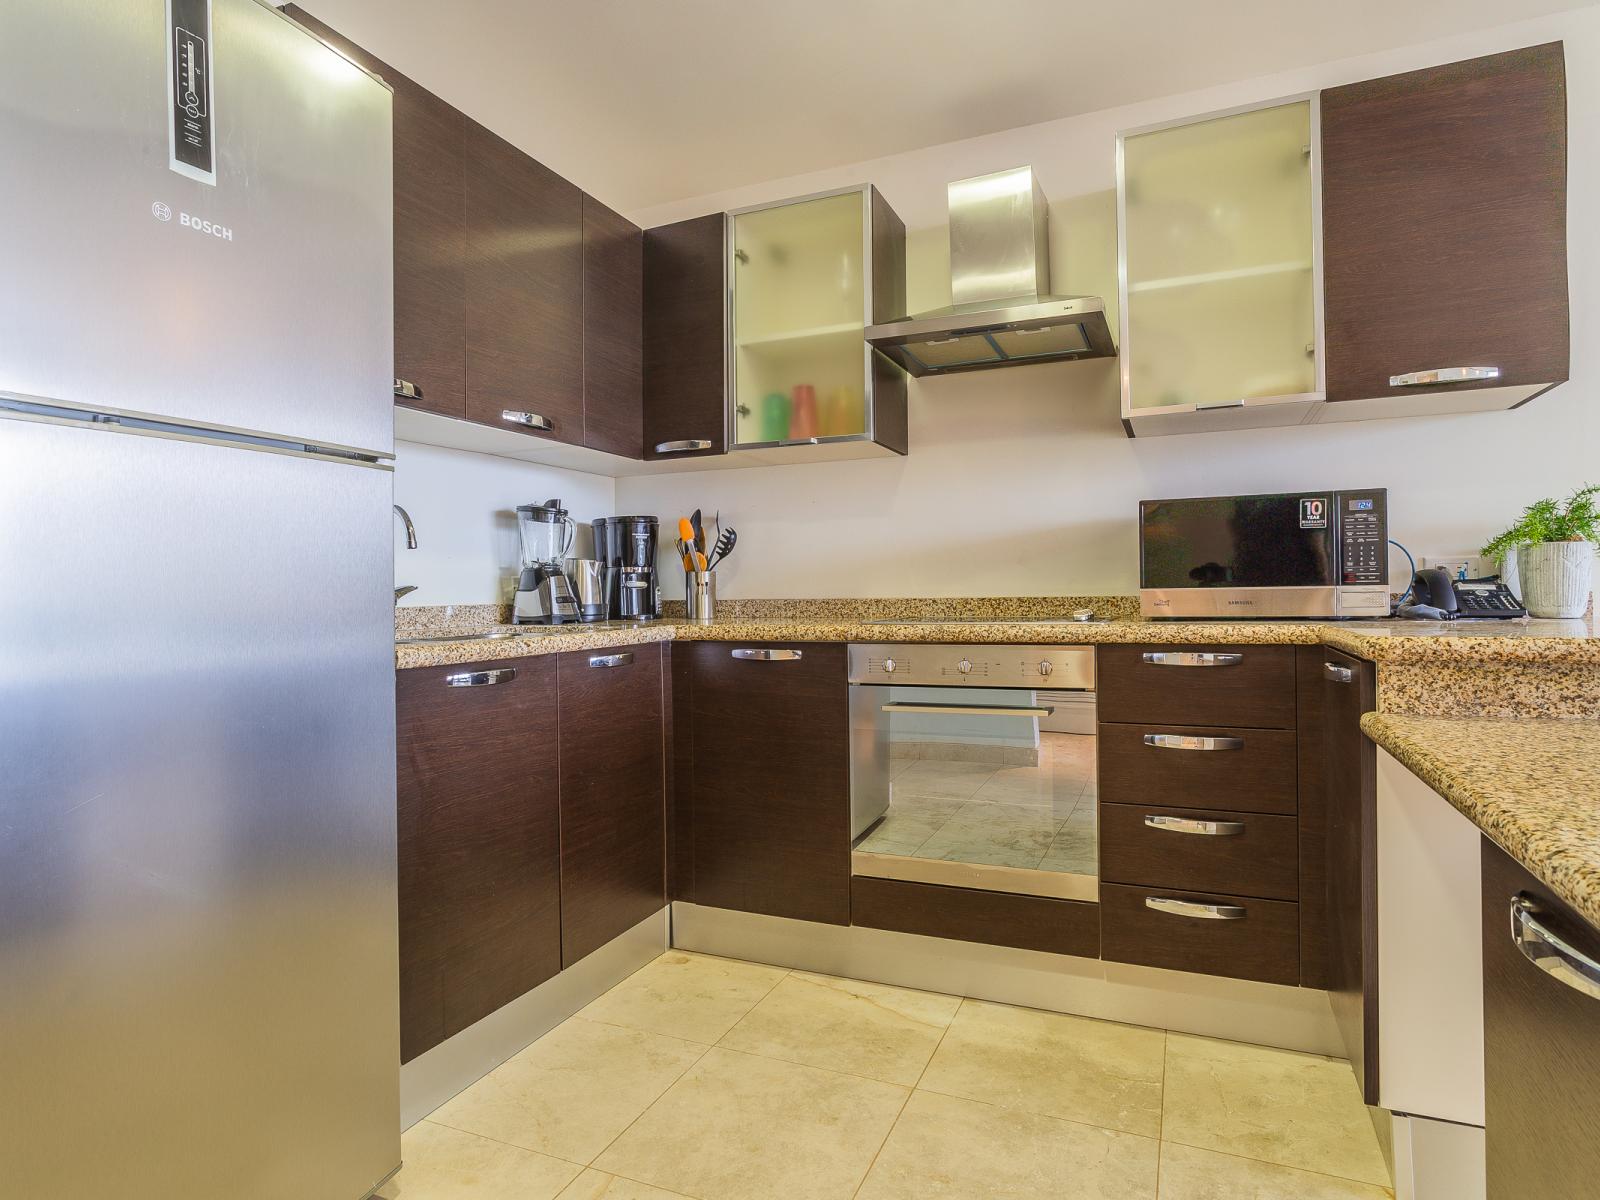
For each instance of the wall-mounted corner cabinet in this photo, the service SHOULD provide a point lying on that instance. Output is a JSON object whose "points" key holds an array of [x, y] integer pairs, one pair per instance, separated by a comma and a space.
{"points": [[1220, 272], [755, 322]]}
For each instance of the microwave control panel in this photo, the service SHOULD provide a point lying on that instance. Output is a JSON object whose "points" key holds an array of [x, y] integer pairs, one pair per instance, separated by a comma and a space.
{"points": [[1363, 523]]}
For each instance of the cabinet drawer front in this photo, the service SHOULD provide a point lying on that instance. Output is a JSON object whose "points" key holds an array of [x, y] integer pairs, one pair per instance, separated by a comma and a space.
{"points": [[970, 915], [1209, 934], [1202, 851], [1250, 686], [1187, 766]]}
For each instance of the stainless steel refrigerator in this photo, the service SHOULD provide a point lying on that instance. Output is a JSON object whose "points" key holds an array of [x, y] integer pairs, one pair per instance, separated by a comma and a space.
{"points": [[197, 882]]}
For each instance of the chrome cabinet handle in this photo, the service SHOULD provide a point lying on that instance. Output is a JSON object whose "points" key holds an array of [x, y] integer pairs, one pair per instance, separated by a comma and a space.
{"points": [[1190, 825], [611, 660], [769, 655], [1189, 908], [531, 420], [407, 390], [1336, 673], [1191, 658], [481, 678], [1184, 741], [1551, 953], [971, 710], [1443, 375], [683, 446]]}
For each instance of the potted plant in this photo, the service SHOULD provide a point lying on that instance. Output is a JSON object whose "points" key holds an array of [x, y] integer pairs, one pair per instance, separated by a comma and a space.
{"points": [[1552, 546]]}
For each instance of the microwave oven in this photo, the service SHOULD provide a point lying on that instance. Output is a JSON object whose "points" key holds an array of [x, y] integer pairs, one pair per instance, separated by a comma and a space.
{"points": [[1289, 554]]}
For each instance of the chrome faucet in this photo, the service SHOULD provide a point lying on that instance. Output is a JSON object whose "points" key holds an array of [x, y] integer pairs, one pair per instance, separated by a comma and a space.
{"points": [[411, 544]]}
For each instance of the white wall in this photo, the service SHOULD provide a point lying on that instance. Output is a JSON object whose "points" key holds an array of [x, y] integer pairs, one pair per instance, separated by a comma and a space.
{"points": [[1020, 481], [463, 507]]}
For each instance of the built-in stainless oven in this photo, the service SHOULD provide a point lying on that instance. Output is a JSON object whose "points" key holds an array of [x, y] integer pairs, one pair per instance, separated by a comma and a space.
{"points": [[1289, 554], [974, 766]]}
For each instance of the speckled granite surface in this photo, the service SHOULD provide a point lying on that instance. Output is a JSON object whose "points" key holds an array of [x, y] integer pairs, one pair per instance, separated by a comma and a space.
{"points": [[1533, 785], [921, 608], [1504, 668]]}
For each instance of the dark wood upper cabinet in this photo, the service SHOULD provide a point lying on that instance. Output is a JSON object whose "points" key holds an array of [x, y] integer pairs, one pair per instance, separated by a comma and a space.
{"points": [[430, 287], [685, 357], [524, 241], [770, 778], [1349, 777], [479, 842], [613, 332], [1541, 1038], [613, 841], [1444, 196]]}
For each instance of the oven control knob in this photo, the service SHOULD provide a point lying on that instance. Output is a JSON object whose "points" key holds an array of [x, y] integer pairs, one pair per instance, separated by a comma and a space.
{"points": [[889, 665], [964, 665], [1045, 667]]}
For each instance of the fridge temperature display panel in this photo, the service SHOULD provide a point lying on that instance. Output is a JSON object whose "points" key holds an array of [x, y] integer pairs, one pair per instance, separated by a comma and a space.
{"points": [[189, 89]]}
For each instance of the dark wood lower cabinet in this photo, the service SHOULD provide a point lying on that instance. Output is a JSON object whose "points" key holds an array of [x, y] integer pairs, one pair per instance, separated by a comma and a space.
{"points": [[1248, 853], [1250, 687], [613, 840], [479, 842], [1351, 796], [1260, 941], [1541, 1039], [971, 915], [770, 778], [1198, 766]]}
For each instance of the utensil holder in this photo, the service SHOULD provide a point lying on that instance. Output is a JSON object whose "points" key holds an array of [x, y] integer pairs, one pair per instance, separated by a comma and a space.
{"points": [[700, 596]]}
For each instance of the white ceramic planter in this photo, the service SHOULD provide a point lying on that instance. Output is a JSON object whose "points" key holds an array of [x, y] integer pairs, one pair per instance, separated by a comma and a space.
{"points": [[1555, 578]]}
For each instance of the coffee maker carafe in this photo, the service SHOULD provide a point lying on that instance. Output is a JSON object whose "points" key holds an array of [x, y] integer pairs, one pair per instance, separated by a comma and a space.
{"points": [[627, 546], [544, 595]]}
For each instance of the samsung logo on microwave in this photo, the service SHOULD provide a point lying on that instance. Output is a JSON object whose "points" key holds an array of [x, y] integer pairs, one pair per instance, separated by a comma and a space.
{"points": [[222, 233]]}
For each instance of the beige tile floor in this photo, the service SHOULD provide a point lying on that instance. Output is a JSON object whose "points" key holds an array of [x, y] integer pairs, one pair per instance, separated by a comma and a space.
{"points": [[1040, 817], [703, 1078]]}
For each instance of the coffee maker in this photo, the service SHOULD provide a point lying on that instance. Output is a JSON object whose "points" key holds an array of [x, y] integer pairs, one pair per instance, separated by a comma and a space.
{"points": [[544, 594], [627, 547]]}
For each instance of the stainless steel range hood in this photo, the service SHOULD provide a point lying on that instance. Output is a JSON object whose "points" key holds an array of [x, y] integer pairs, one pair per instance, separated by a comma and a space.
{"points": [[1003, 314]]}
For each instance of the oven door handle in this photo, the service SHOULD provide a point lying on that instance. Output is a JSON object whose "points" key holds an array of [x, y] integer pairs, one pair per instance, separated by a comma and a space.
{"points": [[971, 710]]}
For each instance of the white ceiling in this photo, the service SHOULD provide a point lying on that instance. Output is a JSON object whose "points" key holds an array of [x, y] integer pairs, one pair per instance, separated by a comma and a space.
{"points": [[646, 101]]}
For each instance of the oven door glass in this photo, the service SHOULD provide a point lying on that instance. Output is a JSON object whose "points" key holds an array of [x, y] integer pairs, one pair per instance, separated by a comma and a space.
{"points": [[982, 788]]}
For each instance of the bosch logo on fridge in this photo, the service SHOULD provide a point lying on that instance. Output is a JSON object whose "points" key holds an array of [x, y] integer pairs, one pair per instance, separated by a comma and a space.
{"points": [[201, 225]]}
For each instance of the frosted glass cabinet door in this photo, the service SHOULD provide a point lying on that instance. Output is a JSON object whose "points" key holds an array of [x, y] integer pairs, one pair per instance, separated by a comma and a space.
{"points": [[1220, 260], [799, 315]]}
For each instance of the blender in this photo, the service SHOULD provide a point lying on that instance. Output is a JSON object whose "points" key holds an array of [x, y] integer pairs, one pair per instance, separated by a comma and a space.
{"points": [[544, 594]]}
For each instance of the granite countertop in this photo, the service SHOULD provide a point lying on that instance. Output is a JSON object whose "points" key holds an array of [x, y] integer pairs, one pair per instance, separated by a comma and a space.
{"points": [[1408, 642], [1532, 784]]}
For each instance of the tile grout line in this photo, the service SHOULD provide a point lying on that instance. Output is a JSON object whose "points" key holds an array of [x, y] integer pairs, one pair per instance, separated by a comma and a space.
{"points": [[704, 1050], [1161, 1124], [910, 1092]]}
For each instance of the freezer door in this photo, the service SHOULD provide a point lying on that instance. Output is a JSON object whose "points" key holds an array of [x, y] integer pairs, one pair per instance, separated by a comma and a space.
{"points": [[198, 957], [261, 301]]}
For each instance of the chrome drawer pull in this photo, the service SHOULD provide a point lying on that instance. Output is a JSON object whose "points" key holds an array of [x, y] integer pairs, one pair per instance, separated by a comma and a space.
{"points": [[481, 678], [611, 660], [1336, 673], [768, 655], [531, 420], [1184, 741], [1190, 825], [1199, 912], [407, 390], [683, 446], [1191, 658], [970, 710], [1551, 953], [1443, 375]]}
